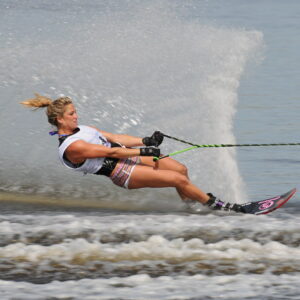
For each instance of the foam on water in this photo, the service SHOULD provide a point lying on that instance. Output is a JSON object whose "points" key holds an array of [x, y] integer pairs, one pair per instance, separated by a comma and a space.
{"points": [[156, 248], [46, 230], [240, 286], [133, 69], [44, 248]]}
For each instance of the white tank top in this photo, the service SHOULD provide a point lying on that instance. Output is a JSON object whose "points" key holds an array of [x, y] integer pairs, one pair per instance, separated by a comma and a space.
{"points": [[89, 135]]}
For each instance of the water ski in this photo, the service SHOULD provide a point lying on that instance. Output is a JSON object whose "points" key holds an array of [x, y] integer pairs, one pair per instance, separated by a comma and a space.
{"points": [[268, 205]]}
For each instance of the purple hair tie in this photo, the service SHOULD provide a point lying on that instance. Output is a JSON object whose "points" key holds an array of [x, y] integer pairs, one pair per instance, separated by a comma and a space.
{"points": [[53, 132]]}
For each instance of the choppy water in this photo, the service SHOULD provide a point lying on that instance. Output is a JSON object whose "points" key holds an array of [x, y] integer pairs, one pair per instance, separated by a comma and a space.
{"points": [[205, 71]]}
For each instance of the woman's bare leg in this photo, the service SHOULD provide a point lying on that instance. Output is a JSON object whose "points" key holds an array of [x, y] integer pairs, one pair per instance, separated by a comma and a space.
{"points": [[146, 176], [167, 164]]}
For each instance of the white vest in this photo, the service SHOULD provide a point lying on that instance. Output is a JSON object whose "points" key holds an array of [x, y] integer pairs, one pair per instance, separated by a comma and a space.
{"points": [[89, 135]]}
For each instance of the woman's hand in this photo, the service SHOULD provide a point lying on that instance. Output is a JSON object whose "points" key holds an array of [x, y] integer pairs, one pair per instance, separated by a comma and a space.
{"points": [[154, 140], [150, 151]]}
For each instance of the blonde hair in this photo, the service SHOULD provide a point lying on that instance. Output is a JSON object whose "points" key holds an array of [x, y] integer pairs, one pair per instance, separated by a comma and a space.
{"points": [[55, 108]]}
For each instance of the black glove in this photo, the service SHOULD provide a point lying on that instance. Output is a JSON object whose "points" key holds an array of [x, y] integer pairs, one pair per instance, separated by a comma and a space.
{"points": [[150, 151], [155, 140]]}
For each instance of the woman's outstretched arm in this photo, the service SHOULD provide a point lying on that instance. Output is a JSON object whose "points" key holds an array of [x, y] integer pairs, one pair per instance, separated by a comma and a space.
{"points": [[124, 139]]}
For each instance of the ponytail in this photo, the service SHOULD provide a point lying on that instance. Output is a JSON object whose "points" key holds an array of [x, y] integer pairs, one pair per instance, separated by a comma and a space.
{"points": [[55, 108], [37, 102]]}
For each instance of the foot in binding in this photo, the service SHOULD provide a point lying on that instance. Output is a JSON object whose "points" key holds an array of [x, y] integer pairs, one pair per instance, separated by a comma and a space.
{"points": [[217, 204]]}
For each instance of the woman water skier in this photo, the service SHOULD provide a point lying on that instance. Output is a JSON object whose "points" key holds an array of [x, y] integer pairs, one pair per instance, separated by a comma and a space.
{"points": [[90, 150]]}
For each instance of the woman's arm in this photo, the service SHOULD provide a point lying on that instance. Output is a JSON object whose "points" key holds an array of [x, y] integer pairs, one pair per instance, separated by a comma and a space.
{"points": [[124, 139], [80, 150]]}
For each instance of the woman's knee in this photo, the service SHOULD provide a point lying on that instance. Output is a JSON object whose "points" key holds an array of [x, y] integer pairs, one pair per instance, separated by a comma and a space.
{"points": [[176, 166], [180, 180]]}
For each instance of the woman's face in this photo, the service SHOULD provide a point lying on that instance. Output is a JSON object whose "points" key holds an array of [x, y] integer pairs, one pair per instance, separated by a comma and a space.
{"points": [[69, 120]]}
